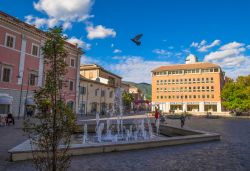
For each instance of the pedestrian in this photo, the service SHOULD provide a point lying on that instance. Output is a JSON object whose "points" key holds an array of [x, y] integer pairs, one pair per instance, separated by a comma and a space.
{"points": [[10, 119], [156, 113], [182, 118]]}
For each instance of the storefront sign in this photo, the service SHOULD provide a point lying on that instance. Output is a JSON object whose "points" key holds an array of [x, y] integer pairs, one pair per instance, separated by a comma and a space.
{"points": [[211, 103], [192, 103], [175, 103]]}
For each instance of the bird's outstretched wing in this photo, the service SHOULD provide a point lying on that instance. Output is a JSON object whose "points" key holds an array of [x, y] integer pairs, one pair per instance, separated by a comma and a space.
{"points": [[137, 37]]}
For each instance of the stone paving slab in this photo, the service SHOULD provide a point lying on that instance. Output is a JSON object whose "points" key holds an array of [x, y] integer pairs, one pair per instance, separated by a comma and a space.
{"points": [[232, 153]]}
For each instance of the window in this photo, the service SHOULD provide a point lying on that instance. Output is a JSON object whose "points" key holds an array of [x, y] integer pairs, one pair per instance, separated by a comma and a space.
{"points": [[190, 89], [186, 96], [198, 80], [203, 88], [194, 96], [203, 96], [71, 85], [199, 96], [6, 74], [96, 92], [194, 80], [32, 79], [198, 89], [10, 41], [34, 50], [169, 97], [194, 89], [103, 93], [190, 96], [207, 96], [212, 96], [212, 88], [207, 80], [207, 88], [202, 80], [72, 62], [216, 69], [82, 90], [111, 94], [212, 79]]}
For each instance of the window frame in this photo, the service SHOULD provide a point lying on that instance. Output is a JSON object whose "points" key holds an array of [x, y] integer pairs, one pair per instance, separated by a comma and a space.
{"points": [[6, 40], [2, 73], [71, 81], [74, 59], [32, 48]]}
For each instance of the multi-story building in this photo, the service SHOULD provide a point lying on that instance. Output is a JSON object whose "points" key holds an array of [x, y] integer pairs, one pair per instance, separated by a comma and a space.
{"points": [[95, 96], [98, 87], [22, 66], [192, 87], [98, 73]]}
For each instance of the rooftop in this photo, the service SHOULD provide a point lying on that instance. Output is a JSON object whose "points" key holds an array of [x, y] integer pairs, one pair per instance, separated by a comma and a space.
{"points": [[197, 65], [30, 28], [96, 66]]}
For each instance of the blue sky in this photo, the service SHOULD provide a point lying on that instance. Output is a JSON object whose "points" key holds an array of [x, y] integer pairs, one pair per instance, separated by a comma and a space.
{"points": [[215, 31]]}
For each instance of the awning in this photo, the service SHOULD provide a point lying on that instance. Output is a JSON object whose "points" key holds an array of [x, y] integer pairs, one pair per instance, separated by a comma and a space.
{"points": [[30, 101], [5, 99]]}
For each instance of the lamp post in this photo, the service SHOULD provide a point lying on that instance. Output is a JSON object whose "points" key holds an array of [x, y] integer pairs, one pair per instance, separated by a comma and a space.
{"points": [[21, 93], [27, 92]]}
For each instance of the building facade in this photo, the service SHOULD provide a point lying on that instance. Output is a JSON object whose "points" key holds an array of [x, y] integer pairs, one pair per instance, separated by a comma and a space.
{"points": [[95, 97], [98, 87], [22, 68], [192, 87]]}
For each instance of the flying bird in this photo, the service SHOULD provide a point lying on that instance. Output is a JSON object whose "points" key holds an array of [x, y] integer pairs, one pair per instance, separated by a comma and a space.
{"points": [[136, 39]]}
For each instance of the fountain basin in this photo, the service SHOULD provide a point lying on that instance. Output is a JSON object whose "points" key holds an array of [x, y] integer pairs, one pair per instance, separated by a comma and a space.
{"points": [[169, 136]]}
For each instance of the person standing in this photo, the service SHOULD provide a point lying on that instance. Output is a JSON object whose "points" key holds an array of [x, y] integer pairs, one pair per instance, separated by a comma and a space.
{"points": [[182, 118], [156, 113]]}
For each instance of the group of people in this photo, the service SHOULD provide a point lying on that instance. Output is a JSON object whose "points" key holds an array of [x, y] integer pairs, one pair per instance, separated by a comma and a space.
{"points": [[159, 116], [7, 120]]}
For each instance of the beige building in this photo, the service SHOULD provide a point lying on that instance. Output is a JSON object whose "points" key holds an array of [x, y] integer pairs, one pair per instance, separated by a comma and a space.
{"points": [[192, 87], [98, 73], [95, 97], [97, 89]]}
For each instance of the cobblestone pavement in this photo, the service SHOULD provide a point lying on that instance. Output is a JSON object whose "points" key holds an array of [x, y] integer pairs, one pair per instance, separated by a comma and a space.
{"points": [[231, 153]]}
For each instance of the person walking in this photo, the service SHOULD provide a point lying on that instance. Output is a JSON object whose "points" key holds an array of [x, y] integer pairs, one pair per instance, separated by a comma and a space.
{"points": [[182, 118], [156, 113]]}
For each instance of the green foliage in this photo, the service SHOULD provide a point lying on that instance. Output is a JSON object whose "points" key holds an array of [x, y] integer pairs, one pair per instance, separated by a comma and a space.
{"points": [[55, 122], [127, 99], [236, 95], [144, 87]]}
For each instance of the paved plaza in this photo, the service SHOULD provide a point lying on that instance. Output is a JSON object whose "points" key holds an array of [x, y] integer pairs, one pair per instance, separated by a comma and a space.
{"points": [[231, 153]]}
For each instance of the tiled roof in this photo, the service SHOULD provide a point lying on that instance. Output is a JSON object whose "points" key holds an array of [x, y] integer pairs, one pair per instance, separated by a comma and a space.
{"points": [[198, 65], [95, 66]]}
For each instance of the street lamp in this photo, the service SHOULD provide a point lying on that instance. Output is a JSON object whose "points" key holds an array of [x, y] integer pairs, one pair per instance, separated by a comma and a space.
{"points": [[21, 93], [27, 92]]}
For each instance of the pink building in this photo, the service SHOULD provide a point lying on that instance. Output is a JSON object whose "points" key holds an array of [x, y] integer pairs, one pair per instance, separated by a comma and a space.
{"points": [[22, 67]]}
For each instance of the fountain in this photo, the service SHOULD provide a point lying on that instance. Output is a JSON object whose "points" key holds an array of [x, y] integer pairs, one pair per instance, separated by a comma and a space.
{"points": [[118, 133]]}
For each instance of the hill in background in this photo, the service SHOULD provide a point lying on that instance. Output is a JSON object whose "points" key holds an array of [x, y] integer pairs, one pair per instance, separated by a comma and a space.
{"points": [[144, 87]]}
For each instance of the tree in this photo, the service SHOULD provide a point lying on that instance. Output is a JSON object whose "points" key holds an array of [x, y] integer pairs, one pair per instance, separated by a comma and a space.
{"points": [[55, 122], [236, 95], [127, 99]]}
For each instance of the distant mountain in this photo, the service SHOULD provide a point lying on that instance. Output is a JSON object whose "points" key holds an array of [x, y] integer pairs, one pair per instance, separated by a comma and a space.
{"points": [[144, 87]]}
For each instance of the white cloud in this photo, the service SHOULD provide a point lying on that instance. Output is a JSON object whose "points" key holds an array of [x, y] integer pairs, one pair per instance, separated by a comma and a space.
{"points": [[82, 44], [162, 52], [40, 22], [117, 51], [66, 10], [248, 46], [232, 45], [89, 60], [203, 46], [62, 12], [231, 58], [99, 32], [135, 68]]}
